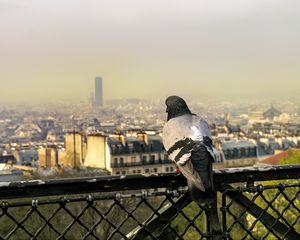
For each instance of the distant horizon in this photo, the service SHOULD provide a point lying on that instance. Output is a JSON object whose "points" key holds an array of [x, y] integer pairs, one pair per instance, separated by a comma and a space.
{"points": [[207, 100], [53, 50]]}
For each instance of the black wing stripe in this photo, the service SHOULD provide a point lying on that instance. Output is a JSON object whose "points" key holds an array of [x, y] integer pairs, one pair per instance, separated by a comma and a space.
{"points": [[180, 144], [183, 151], [188, 142], [185, 146]]}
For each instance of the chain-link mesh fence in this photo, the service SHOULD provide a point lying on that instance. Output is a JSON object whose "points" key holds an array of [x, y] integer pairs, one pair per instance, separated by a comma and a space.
{"points": [[157, 207], [262, 212], [141, 215]]}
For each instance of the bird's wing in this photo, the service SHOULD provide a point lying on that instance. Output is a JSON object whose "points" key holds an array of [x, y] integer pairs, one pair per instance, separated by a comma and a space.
{"points": [[182, 138], [180, 135], [201, 132], [176, 139], [180, 151], [198, 169], [192, 175]]}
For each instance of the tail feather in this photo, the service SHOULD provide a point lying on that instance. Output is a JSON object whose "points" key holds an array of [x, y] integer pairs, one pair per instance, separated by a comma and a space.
{"points": [[202, 163], [208, 201], [200, 197]]}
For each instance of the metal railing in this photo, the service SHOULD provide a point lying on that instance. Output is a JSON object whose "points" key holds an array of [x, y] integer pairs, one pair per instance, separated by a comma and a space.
{"points": [[252, 204], [137, 164]]}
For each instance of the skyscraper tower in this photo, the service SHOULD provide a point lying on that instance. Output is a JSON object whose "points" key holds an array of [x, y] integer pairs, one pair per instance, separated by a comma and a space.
{"points": [[98, 92]]}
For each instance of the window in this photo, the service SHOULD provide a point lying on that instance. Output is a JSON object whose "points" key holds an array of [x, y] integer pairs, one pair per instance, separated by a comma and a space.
{"points": [[134, 171], [236, 153], [151, 146], [152, 158], [166, 158], [138, 171], [133, 159], [243, 152], [117, 172], [123, 172], [131, 148], [252, 151], [171, 169], [146, 170], [167, 169], [227, 154], [121, 161], [155, 170], [144, 159], [116, 160]]}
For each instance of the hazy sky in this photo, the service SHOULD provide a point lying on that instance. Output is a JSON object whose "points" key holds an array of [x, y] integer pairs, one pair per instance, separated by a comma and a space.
{"points": [[53, 49]]}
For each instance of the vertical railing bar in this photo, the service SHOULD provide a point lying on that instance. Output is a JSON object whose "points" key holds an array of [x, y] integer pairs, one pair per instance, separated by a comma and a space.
{"points": [[224, 214]]}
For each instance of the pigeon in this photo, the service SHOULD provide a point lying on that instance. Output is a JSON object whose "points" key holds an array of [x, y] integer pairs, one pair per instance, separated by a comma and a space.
{"points": [[188, 142]]}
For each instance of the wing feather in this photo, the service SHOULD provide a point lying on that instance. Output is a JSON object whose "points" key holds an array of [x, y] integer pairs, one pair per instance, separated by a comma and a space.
{"points": [[192, 175]]}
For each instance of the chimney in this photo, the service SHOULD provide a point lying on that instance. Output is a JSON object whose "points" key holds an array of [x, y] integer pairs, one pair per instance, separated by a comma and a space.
{"points": [[121, 138], [143, 137]]}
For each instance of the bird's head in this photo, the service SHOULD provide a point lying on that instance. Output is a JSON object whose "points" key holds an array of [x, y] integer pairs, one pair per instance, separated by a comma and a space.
{"points": [[176, 107]]}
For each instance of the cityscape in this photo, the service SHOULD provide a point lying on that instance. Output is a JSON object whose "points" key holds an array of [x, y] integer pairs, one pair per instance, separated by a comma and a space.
{"points": [[123, 137], [141, 120]]}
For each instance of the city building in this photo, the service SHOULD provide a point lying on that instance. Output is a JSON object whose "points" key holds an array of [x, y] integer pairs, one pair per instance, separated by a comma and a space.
{"points": [[98, 92], [48, 157], [28, 130], [256, 117], [26, 156], [114, 137], [75, 150], [137, 153], [97, 154], [238, 153], [271, 113], [7, 159], [142, 154]]}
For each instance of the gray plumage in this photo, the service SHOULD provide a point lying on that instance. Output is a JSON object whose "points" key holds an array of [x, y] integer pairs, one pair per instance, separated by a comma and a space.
{"points": [[188, 142]]}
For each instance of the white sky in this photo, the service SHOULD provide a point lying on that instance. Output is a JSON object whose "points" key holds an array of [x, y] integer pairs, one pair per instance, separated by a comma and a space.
{"points": [[148, 48]]}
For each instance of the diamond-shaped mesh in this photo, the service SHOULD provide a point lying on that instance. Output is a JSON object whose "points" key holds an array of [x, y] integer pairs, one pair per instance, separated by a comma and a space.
{"points": [[141, 215], [256, 212], [269, 212]]}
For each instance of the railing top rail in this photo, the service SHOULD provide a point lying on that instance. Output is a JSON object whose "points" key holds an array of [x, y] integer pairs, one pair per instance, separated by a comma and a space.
{"points": [[37, 188]]}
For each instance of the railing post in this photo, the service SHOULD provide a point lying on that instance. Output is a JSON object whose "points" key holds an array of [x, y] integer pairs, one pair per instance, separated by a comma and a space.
{"points": [[224, 216]]}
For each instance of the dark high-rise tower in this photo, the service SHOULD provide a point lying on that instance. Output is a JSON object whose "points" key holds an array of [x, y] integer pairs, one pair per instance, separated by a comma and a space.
{"points": [[98, 92]]}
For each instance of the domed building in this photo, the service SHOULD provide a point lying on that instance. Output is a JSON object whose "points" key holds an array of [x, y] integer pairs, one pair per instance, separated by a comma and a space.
{"points": [[271, 113], [28, 129]]}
